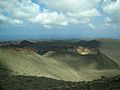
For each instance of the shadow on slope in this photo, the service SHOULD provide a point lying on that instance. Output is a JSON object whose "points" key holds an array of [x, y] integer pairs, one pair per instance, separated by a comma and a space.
{"points": [[111, 48], [19, 82], [61, 43], [4, 73], [44, 46], [72, 67], [76, 61], [42, 83]]}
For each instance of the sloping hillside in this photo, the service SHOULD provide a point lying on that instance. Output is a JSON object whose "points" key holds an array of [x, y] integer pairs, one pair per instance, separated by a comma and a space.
{"points": [[71, 68], [111, 48], [76, 61], [31, 64]]}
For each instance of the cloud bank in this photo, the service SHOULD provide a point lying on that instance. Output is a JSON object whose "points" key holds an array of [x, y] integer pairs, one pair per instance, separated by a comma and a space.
{"points": [[62, 12], [59, 12], [112, 9]]}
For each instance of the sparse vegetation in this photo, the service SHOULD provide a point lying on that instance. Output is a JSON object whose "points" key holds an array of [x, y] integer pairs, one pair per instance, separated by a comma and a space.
{"points": [[41, 83]]}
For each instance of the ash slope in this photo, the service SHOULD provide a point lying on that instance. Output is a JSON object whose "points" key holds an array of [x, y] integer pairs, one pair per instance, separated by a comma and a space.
{"points": [[62, 66], [22, 82], [110, 48]]}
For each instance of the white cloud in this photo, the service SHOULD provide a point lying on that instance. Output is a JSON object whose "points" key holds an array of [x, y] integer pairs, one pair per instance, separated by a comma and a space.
{"points": [[112, 8], [71, 5], [9, 20], [76, 11], [50, 18], [47, 26], [109, 23], [62, 12], [30, 11], [92, 26], [16, 9], [85, 14], [23, 8]]}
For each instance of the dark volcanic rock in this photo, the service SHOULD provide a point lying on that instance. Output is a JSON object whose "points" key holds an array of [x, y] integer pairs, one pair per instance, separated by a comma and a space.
{"points": [[25, 42]]}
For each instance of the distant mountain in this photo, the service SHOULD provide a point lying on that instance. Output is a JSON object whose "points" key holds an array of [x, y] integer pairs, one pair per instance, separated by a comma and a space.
{"points": [[45, 46], [25, 43]]}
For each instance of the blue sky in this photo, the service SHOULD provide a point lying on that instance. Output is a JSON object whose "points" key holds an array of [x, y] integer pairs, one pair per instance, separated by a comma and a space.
{"points": [[44, 19]]}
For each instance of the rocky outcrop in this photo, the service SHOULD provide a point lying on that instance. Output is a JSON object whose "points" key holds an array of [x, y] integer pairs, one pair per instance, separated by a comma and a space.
{"points": [[86, 50], [82, 50]]}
